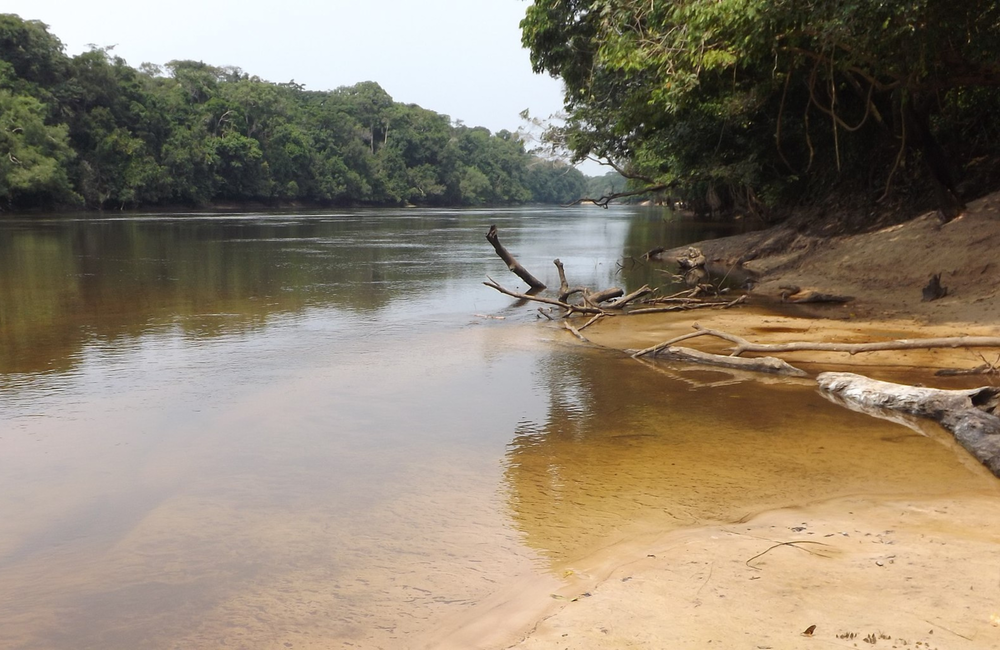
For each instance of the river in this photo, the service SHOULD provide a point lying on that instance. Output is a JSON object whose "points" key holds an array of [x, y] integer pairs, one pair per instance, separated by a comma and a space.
{"points": [[320, 430]]}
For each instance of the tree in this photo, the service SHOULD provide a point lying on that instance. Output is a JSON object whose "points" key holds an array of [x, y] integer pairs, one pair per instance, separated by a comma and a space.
{"points": [[35, 57], [748, 99], [34, 157], [193, 133]]}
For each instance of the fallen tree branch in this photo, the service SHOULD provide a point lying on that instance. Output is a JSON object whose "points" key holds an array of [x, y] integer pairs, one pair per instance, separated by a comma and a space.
{"points": [[689, 306], [666, 344], [743, 345], [986, 368], [793, 544], [592, 321], [771, 365], [602, 296], [970, 415], [644, 290], [548, 301], [575, 332], [604, 201], [564, 289], [512, 264]]}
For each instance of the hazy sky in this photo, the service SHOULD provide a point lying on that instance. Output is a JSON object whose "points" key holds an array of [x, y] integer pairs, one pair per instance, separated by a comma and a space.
{"points": [[462, 58]]}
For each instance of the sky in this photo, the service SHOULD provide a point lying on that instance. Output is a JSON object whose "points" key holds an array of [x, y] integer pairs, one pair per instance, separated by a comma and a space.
{"points": [[462, 58]]}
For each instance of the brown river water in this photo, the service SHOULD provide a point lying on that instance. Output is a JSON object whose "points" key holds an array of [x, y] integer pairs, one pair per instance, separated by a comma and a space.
{"points": [[320, 430]]}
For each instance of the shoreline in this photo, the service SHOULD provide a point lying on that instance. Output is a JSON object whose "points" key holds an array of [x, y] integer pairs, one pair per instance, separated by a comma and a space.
{"points": [[905, 570], [691, 587]]}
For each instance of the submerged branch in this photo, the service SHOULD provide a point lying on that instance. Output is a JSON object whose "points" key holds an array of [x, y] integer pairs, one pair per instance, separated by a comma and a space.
{"points": [[548, 301]]}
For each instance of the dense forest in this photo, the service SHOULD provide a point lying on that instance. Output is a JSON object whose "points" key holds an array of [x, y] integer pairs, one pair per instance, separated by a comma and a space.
{"points": [[91, 131], [762, 107]]}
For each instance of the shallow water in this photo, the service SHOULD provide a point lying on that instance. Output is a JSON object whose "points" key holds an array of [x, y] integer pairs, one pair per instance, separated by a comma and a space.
{"points": [[315, 430]]}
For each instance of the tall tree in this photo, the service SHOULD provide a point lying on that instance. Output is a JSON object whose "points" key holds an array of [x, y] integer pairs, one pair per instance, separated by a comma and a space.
{"points": [[747, 98]]}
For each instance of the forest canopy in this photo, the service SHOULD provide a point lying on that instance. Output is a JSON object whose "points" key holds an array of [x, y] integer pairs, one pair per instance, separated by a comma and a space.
{"points": [[762, 104], [90, 130]]}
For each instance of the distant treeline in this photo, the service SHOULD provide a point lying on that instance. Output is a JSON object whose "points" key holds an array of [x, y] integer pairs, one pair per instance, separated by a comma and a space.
{"points": [[92, 131]]}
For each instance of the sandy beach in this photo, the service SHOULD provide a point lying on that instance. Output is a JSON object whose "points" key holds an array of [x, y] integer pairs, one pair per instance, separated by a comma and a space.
{"points": [[893, 571]]}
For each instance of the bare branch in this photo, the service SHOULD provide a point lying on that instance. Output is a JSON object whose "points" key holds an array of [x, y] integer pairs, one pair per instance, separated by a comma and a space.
{"points": [[548, 301], [512, 264], [608, 198]]}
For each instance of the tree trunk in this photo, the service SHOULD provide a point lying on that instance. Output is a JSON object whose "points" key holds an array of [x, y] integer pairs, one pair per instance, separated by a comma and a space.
{"points": [[970, 415], [941, 170]]}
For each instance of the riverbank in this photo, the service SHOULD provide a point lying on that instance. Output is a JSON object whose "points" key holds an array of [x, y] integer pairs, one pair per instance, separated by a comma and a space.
{"points": [[885, 270], [906, 570]]}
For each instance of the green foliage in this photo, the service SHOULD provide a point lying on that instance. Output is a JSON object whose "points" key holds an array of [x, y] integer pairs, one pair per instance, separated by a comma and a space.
{"points": [[91, 126], [34, 156], [757, 101]]}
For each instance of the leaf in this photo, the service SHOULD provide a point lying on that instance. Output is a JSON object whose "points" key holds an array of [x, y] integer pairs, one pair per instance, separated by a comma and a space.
{"points": [[809, 630]]}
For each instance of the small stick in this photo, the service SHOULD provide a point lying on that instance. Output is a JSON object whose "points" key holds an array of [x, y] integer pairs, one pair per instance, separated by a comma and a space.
{"points": [[592, 321], [792, 544], [575, 332], [686, 307], [666, 344]]}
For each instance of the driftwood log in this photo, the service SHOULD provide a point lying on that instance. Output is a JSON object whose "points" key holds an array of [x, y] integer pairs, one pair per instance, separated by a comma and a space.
{"points": [[771, 365], [515, 267], [743, 345], [970, 415], [582, 309]]}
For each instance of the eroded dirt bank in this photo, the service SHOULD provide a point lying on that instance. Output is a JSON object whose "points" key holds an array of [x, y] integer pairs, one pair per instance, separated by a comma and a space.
{"points": [[885, 270]]}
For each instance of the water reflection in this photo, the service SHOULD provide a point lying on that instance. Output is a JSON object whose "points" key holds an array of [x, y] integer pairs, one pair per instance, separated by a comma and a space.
{"points": [[623, 448], [64, 282], [263, 430]]}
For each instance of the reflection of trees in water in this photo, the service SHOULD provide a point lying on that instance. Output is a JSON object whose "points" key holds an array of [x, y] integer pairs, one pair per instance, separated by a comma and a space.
{"points": [[625, 447], [655, 227], [62, 282], [596, 460]]}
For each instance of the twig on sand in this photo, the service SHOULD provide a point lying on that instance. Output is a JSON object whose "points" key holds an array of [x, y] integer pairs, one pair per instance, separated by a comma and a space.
{"points": [[794, 544]]}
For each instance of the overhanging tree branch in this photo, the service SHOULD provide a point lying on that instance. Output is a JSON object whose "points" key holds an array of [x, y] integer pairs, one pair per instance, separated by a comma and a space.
{"points": [[603, 201]]}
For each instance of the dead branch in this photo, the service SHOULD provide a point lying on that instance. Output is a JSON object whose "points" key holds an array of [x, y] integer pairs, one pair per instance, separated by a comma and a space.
{"points": [[986, 368], [604, 295], [605, 200], [970, 415], [679, 296], [690, 306], [672, 301], [575, 332], [934, 290], [794, 544], [592, 321], [794, 294], [563, 285], [512, 264], [771, 365], [644, 290], [666, 344], [548, 301], [743, 345], [983, 369]]}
